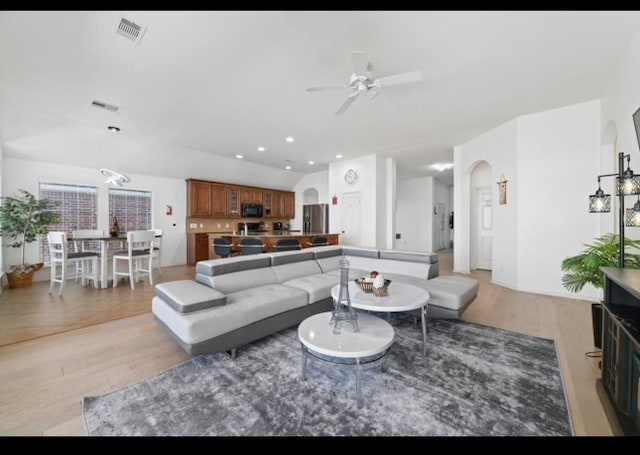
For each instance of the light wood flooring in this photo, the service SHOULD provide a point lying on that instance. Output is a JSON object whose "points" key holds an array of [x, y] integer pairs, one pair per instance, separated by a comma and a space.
{"points": [[43, 380]]}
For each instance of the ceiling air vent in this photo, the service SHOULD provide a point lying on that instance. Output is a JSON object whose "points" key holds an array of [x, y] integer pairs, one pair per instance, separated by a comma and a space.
{"points": [[109, 107], [130, 30]]}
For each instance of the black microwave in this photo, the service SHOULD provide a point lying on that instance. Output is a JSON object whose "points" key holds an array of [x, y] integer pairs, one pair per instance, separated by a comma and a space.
{"points": [[251, 210]]}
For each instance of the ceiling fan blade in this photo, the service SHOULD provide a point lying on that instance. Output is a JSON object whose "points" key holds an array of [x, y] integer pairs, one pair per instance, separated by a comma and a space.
{"points": [[347, 103], [360, 63], [400, 78], [319, 89]]}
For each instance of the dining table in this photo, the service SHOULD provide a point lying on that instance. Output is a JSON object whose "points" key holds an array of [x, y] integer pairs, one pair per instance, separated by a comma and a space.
{"points": [[104, 242]]}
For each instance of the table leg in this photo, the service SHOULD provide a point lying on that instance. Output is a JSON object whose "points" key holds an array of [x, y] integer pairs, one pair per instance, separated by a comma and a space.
{"points": [[103, 264], [423, 313], [304, 364]]}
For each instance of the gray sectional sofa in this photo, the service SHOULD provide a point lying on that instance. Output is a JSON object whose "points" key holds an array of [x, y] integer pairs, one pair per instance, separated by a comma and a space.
{"points": [[238, 300]]}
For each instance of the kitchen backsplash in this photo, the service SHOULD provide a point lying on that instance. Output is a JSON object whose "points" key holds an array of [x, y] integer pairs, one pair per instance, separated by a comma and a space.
{"points": [[225, 224]]}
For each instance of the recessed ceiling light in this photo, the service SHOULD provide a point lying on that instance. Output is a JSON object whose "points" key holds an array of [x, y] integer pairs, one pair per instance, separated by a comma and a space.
{"points": [[311, 162], [441, 166], [289, 139], [261, 149], [239, 157], [338, 156], [288, 168], [113, 129]]}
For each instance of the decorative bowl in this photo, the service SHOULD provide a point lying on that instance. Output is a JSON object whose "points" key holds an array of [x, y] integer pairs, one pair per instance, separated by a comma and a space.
{"points": [[367, 286]]}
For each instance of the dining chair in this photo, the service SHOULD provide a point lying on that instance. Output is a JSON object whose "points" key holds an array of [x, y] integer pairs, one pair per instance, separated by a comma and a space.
{"points": [[84, 246], [287, 245], [61, 257], [222, 247], [157, 248], [251, 245], [139, 248]]}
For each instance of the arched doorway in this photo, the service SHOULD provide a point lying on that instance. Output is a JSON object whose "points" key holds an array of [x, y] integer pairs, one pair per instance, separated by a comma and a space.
{"points": [[310, 196], [480, 217]]}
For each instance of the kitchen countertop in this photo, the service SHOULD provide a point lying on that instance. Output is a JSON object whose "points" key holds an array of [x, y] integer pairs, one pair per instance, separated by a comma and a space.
{"points": [[283, 234]]}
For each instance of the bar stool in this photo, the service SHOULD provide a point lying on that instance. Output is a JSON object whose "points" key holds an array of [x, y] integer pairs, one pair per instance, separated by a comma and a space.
{"points": [[139, 248]]}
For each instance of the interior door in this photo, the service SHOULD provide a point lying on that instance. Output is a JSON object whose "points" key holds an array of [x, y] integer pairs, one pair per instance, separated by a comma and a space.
{"points": [[439, 227], [485, 226], [351, 216]]}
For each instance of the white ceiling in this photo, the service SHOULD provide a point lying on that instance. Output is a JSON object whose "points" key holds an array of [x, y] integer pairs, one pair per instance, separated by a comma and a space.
{"points": [[227, 82]]}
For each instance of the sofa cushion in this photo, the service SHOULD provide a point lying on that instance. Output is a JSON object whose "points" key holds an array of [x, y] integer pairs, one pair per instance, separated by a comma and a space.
{"points": [[362, 252], [384, 266], [452, 292], [330, 263], [243, 308], [320, 252], [411, 256], [317, 286], [288, 257], [297, 269], [237, 281], [221, 266], [186, 296], [353, 273]]}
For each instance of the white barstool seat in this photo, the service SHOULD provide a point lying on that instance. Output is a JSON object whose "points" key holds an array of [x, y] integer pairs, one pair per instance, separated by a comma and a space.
{"points": [[157, 248], [139, 248], [86, 246], [60, 257]]}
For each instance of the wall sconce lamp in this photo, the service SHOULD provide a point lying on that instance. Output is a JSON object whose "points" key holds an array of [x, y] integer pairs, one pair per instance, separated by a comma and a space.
{"points": [[627, 183]]}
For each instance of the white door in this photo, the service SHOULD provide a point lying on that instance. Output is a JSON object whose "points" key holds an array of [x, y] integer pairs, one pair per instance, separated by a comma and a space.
{"points": [[351, 215], [485, 235], [438, 227]]}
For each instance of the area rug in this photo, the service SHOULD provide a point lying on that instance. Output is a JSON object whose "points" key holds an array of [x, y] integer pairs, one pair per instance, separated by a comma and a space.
{"points": [[475, 380]]}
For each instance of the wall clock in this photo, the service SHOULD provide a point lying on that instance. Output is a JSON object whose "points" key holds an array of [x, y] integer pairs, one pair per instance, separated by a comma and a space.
{"points": [[351, 177]]}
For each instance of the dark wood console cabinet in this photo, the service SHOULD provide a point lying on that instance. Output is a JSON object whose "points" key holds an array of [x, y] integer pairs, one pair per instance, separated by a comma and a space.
{"points": [[619, 386]]}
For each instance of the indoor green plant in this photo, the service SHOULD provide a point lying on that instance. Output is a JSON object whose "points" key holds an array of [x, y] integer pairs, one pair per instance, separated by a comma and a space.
{"points": [[602, 252], [22, 219]]}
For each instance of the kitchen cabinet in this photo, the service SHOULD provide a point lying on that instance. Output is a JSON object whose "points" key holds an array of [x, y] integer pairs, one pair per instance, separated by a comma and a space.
{"points": [[197, 248], [198, 198], [218, 200], [288, 205], [267, 204], [233, 201]]}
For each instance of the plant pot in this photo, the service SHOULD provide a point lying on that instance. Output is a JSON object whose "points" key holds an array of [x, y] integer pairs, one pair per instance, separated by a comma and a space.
{"points": [[19, 280]]}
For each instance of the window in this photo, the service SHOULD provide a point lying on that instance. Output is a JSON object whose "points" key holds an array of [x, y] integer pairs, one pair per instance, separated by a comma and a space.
{"points": [[78, 209], [132, 209]]}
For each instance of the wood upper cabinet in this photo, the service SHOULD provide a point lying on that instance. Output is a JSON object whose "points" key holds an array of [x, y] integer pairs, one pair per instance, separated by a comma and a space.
{"points": [[288, 204], [198, 198], [233, 201], [277, 204], [250, 195], [211, 199], [267, 204], [218, 200]]}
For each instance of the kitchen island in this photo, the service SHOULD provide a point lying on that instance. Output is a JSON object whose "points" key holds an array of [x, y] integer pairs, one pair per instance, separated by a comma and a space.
{"points": [[271, 239]]}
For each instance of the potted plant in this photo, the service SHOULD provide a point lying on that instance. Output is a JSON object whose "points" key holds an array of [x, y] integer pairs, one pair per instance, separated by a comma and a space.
{"points": [[585, 269], [603, 252], [22, 219]]}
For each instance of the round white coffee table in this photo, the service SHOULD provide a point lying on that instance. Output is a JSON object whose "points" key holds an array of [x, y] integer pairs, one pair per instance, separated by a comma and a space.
{"points": [[360, 350], [400, 297]]}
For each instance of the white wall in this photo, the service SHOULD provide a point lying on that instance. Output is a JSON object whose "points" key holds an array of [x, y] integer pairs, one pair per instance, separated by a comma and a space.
{"points": [[366, 184], [498, 147], [550, 160], [558, 161], [317, 180], [414, 214], [23, 174], [1, 193], [391, 209], [620, 100]]}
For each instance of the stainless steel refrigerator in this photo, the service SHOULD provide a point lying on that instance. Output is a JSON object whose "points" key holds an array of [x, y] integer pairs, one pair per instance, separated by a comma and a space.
{"points": [[315, 218]]}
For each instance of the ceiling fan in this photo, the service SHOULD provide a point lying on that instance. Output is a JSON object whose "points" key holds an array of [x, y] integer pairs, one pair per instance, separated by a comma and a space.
{"points": [[361, 81], [113, 177]]}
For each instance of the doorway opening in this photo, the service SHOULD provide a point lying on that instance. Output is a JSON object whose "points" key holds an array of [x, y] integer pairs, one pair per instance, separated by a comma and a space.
{"points": [[480, 217]]}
